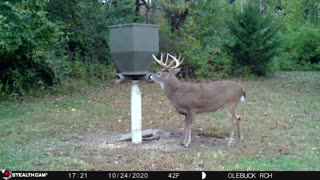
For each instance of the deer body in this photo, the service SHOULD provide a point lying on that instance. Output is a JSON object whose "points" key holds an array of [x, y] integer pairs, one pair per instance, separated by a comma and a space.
{"points": [[201, 98], [190, 99]]}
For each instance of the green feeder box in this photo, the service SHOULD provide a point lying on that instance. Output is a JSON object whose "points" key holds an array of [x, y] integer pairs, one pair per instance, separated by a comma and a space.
{"points": [[132, 46]]}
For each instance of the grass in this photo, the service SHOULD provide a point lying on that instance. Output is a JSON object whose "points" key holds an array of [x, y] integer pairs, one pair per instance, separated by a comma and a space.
{"points": [[78, 131]]}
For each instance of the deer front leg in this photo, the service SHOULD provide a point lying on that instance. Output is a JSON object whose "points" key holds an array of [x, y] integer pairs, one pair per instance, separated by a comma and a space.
{"points": [[185, 132], [188, 125]]}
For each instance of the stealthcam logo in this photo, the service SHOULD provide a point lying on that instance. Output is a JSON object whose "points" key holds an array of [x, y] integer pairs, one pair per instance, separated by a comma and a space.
{"points": [[6, 174]]}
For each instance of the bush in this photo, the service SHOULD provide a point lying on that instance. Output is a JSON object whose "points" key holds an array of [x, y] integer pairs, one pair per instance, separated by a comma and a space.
{"points": [[200, 38], [255, 41], [175, 12], [26, 40], [39, 49], [91, 73], [84, 23], [302, 49]]}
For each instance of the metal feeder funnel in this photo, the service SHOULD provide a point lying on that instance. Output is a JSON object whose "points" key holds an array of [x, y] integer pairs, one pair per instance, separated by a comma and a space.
{"points": [[131, 47]]}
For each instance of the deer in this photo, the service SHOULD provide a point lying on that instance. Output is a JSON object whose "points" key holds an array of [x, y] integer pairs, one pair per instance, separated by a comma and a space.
{"points": [[190, 99]]}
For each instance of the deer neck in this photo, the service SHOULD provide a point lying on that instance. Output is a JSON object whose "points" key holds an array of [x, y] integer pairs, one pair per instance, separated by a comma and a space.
{"points": [[171, 85]]}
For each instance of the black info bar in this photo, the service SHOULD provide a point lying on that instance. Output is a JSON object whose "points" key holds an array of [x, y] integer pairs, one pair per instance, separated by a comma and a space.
{"points": [[162, 175]]}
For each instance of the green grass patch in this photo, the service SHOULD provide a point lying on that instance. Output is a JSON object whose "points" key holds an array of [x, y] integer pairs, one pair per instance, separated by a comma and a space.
{"points": [[284, 163]]}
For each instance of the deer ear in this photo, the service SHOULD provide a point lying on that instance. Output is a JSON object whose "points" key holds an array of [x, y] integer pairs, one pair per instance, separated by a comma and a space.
{"points": [[174, 71]]}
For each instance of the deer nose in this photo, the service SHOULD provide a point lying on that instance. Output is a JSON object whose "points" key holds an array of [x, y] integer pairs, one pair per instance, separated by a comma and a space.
{"points": [[151, 77], [147, 77]]}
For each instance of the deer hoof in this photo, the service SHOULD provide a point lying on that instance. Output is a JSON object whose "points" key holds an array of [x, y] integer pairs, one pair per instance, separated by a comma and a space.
{"points": [[230, 142], [241, 139], [185, 145]]}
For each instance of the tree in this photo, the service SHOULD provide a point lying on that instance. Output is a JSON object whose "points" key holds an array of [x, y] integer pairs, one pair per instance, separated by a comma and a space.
{"points": [[201, 39], [27, 39], [299, 20], [255, 41], [84, 22], [175, 12]]}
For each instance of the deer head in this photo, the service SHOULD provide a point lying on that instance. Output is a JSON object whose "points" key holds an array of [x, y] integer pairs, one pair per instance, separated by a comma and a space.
{"points": [[170, 68]]}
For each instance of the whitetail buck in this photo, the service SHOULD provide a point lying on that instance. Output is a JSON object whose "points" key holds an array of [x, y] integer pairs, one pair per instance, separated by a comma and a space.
{"points": [[191, 99]]}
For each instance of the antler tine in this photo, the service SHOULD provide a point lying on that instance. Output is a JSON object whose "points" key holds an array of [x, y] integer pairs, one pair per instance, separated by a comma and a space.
{"points": [[178, 63], [161, 56], [167, 57], [174, 60], [159, 61], [179, 57]]}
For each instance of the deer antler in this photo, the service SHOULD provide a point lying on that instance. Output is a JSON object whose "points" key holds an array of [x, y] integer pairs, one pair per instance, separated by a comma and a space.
{"points": [[165, 63], [178, 61]]}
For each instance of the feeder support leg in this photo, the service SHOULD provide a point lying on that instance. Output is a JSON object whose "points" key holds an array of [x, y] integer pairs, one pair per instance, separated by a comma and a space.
{"points": [[136, 113]]}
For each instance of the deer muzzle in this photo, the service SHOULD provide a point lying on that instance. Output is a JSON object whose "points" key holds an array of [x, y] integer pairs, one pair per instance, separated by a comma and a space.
{"points": [[148, 77]]}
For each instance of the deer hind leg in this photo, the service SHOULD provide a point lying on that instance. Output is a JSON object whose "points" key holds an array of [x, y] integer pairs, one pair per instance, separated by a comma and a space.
{"points": [[239, 128], [229, 110], [187, 126]]}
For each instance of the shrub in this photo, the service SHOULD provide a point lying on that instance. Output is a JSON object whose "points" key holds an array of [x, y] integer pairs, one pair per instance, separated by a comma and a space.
{"points": [[84, 23], [200, 38], [26, 40], [302, 49], [175, 12]]}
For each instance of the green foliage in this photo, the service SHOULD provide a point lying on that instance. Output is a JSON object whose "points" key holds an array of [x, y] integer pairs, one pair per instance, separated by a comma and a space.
{"points": [[299, 22], [121, 12], [91, 73], [175, 12], [26, 39], [39, 49], [44, 43], [85, 26], [255, 41], [302, 49], [201, 39], [294, 13]]}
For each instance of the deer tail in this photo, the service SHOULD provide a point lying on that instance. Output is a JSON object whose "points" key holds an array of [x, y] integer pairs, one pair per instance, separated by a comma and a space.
{"points": [[243, 97]]}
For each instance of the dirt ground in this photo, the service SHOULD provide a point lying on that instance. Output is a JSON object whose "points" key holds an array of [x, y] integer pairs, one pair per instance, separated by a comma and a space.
{"points": [[103, 151], [271, 125], [79, 131], [110, 153]]}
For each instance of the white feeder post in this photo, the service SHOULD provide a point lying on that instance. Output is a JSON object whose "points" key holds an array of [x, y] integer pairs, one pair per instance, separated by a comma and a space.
{"points": [[136, 113]]}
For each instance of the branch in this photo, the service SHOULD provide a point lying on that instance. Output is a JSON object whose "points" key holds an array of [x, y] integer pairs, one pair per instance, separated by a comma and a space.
{"points": [[145, 4]]}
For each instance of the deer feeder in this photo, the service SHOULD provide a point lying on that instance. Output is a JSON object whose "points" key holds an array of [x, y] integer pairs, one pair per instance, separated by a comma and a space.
{"points": [[132, 46]]}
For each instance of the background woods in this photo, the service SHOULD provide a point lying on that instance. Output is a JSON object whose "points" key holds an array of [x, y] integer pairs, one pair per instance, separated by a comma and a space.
{"points": [[48, 43]]}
